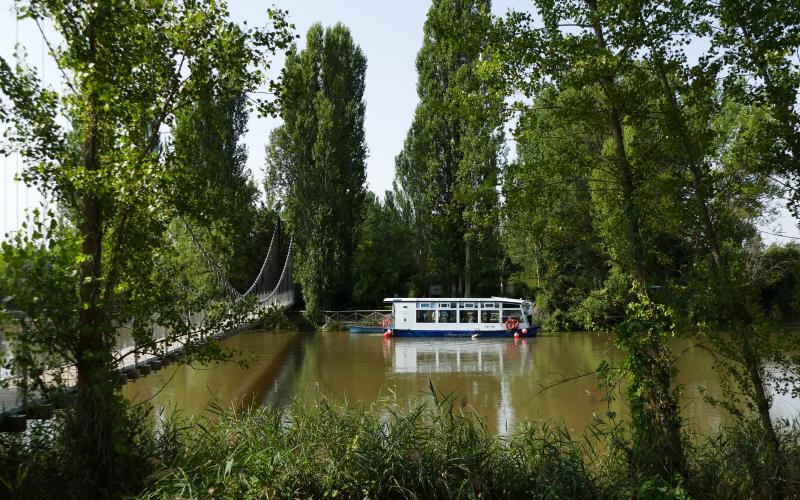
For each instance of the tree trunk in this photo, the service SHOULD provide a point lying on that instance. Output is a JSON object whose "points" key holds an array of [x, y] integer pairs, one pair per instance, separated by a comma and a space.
{"points": [[667, 446], [467, 269], [692, 160], [94, 410], [762, 401], [623, 166], [694, 165]]}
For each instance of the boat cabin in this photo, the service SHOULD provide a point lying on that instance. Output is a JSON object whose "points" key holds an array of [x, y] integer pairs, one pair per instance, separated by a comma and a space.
{"points": [[460, 315]]}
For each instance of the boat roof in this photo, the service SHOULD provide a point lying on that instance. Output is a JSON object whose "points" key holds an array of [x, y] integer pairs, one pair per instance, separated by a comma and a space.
{"points": [[453, 299]]}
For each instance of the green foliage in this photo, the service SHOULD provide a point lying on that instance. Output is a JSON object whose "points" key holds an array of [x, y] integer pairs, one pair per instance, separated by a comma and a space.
{"points": [[449, 168], [753, 42], [275, 319], [37, 464], [316, 162], [696, 155], [549, 193], [653, 402], [781, 291], [35, 266], [674, 170], [127, 70], [389, 450], [384, 257], [217, 192]]}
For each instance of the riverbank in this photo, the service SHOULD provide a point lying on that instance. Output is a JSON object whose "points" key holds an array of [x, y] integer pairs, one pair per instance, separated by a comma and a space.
{"points": [[397, 449]]}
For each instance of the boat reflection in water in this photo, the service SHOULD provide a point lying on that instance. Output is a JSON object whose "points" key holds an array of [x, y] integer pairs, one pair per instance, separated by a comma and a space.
{"points": [[487, 365], [463, 356]]}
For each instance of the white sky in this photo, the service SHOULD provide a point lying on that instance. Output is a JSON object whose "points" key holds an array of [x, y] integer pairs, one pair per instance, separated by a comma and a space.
{"points": [[388, 31]]}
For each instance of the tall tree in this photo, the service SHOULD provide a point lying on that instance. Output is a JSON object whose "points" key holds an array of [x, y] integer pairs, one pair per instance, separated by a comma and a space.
{"points": [[452, 154], [384, 261], [688, 169], [127, 68], [689, 99], [577, 53], [316, 162], [219, 196], [711, 140]]}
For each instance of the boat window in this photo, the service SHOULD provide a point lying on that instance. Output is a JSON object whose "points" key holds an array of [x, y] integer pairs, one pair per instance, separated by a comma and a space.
{"points": [[447, 316], [467, 305], [512, 314], [447, 305], [510, 305], [490, 316], [423, 305], [426, 316], [490, 305], [468, 316]]}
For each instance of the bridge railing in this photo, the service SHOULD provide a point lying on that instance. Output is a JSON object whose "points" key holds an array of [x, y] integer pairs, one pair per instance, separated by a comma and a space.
{"points": [[357, 317], [163, 341]]}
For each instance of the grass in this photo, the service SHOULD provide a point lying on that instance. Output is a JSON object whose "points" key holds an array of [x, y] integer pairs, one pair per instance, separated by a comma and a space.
{"points": [[386, 450], [396, 449], [431, 449]]}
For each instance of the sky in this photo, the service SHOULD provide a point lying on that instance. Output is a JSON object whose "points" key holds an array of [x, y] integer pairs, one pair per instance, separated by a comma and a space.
{"points": [[388, 31]]}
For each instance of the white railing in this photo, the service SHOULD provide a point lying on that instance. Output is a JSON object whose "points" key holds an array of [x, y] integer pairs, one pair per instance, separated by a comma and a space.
{"points": [[357, 316]]}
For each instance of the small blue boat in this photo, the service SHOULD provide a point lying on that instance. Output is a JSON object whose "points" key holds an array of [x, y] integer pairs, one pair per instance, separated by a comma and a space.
{"points": [[461, 317], [366, 329]]}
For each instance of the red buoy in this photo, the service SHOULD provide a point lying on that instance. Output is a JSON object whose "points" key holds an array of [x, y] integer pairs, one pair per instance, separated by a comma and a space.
{"points": [[524, 331], [387, 333], [516, 335]]}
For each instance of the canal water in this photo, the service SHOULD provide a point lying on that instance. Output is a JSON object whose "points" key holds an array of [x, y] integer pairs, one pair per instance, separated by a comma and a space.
{"points": [[505, 381]]}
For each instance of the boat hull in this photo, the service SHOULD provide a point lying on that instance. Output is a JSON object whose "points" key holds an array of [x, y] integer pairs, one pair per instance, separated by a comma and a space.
{"points": [[532, 331]]}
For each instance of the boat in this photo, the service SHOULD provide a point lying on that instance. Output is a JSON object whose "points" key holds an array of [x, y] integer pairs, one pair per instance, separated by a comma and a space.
{"points": [[366, 329], [460, 317]]}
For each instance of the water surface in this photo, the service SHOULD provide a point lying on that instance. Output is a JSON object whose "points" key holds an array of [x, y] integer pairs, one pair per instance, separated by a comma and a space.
{"points": [[504, 381]]}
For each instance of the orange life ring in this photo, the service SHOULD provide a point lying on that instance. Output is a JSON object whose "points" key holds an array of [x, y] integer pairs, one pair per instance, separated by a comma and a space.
{"points": [[512, 324], [387, 321]]}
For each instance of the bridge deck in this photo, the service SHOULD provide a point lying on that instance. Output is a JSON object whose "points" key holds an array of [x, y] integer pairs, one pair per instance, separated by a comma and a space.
{"points": [[10, 399]]}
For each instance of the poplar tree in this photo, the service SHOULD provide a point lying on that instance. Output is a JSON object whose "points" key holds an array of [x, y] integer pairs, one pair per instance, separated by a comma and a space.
{"points": [[316, 162], [220, 198], [451, 158]]}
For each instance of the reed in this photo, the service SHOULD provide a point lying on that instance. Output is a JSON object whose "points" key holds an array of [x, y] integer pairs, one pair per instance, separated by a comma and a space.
{"points": [[428, 448], [387, 450]]}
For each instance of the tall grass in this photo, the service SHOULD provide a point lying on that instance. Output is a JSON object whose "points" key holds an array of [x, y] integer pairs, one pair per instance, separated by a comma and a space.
{"points": [[386, 450], [431, 449], [394, 449]]}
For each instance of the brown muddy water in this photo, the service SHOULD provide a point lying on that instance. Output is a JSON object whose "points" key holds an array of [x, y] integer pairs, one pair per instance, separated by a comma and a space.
{"points": [[501, 380]]}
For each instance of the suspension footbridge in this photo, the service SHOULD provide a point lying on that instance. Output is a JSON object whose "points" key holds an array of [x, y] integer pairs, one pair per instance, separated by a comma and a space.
{"points": [[272, 289]]}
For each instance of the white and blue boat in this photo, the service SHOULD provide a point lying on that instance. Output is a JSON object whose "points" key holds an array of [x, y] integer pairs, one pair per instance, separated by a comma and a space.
{"points": [[460, 317]]}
